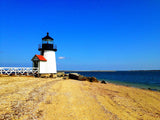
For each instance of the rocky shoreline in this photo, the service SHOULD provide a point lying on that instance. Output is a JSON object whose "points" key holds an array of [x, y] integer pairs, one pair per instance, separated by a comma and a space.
{"points": [[74, 76]]}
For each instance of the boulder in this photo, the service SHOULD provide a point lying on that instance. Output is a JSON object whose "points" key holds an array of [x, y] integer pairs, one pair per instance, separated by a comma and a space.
{"points": [[104, 82], [60, 74], [65, 77], [93, 79], [66, 74], [53, 75], [80, 77], [74, 76], [36, 75], [45, 75], [84, 79], [77, 76]]}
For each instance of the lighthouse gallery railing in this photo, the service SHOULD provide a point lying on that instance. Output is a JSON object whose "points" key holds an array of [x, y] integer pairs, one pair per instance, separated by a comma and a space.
{"points": [[19, 70]]}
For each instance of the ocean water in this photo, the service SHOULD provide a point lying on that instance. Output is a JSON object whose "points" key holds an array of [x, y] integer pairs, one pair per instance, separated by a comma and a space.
{"points": [[141, 79]]}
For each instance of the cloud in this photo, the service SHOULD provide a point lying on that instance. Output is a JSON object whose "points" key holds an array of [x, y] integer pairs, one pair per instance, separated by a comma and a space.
{"points": [[61, 58]]}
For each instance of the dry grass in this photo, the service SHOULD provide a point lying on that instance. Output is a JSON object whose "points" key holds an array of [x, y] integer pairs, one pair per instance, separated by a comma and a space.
{"points": [[58, 99]]}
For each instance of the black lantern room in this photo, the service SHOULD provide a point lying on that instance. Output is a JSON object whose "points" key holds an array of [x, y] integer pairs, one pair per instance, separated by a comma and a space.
{"points": [[47, 44]]}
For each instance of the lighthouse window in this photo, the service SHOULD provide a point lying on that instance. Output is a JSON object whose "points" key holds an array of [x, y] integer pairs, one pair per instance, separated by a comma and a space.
{"points": [[47, 42], [50, 42], [44, 42]]}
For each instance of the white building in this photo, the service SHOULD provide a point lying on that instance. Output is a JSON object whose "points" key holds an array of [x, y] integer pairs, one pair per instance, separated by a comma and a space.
{"points": [[46, 61]]}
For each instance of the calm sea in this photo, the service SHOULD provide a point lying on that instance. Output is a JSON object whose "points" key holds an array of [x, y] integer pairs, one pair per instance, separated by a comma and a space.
{"points": [[140, 79]]}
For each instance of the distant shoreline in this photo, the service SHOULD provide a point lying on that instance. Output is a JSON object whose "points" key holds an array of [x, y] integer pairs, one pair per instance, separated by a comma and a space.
{"points": [[105, 70]]}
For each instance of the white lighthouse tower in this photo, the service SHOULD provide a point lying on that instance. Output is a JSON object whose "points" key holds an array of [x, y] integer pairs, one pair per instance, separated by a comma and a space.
{"points": [[46, 61]]}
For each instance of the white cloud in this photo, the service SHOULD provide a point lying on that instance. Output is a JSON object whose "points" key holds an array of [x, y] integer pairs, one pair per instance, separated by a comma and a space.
{"points": [[61, 58]]}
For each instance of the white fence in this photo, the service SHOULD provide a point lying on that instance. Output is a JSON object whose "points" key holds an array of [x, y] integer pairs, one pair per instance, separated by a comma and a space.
{"points": [[19, 70]]}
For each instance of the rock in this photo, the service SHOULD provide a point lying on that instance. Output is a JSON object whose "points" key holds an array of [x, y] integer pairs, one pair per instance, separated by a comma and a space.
{"points": [[53, 75], [84, 79], [152, 89], [104, 82], [80, 77], [90, 79], [60, 74], [45, 75], [36, 75], [93, 79], [66, 74], [65, 78], [74, 76]]}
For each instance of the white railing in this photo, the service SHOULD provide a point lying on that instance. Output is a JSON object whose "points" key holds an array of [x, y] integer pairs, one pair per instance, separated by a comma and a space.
{"points": [[18, 70]]}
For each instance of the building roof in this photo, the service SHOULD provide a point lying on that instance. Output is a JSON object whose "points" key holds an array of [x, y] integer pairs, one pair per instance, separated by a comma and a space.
{"points": [[41, 58], [47, 37]]}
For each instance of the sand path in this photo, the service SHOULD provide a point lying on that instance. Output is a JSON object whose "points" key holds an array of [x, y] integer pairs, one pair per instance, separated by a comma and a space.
{"points": [[58, 99]]}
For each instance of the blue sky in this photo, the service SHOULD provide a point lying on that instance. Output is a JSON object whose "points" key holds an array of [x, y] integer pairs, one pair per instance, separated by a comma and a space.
{"points": [[90, 34]]}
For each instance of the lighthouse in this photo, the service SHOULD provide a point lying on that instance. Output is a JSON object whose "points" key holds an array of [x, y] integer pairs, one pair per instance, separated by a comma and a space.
{"points": [[46, 61]]}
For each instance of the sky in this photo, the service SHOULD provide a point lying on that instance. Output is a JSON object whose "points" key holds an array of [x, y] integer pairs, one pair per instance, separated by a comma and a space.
{"points": [[89, 34]]}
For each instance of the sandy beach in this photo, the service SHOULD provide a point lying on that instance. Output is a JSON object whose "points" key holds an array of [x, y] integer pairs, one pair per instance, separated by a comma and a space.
{"points": [[57, 99]]}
